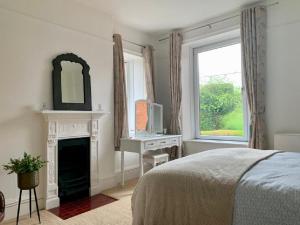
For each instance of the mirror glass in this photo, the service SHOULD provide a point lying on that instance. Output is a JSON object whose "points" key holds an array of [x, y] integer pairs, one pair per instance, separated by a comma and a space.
{"points": [[157, 118], [142, 112], [72, 86]]}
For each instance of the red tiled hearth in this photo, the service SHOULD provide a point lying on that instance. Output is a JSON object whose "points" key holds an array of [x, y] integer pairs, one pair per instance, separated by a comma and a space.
{"points": [[69, 209]]}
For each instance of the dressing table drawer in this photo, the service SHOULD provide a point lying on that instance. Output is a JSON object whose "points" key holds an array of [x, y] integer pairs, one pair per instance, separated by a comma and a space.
{"points": [[150, 144], [174, 141], [163, 143]]}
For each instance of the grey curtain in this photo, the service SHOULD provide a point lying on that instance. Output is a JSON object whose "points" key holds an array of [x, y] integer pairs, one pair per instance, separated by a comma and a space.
{"points": [[120, 99], [149, 72], [253, 35], [176, 92]]}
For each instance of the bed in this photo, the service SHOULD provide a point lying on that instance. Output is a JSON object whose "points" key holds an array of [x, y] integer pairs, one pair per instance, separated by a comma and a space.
{"points": [[221, 187]]}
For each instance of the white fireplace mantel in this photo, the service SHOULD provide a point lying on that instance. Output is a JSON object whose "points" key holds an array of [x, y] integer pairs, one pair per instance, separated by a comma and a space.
{"points": [[66, 125], [61, 114]]}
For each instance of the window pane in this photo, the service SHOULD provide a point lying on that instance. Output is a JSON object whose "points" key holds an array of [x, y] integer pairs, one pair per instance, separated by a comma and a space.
{"points": [[135, 86], [221, 102]]}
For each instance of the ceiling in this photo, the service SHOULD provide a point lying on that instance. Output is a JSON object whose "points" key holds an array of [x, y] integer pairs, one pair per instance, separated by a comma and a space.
{"points": [[157, 16]]}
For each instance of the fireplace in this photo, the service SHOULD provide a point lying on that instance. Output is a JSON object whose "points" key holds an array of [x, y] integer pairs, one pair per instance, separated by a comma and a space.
{"points": [[73, 168], [81, 128]]}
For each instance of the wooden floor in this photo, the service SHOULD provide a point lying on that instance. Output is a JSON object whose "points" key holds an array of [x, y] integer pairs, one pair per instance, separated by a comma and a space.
{"points": [[116, 213]]}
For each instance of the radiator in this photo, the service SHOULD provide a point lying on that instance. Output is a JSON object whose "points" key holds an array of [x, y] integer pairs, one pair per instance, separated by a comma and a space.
{"points": [[287, 142]]}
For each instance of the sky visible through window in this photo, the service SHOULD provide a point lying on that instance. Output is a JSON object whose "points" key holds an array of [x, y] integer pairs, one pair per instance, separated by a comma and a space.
{"points": [[223, 63]]}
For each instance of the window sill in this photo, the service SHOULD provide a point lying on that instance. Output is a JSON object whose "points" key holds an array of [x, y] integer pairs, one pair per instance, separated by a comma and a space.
{"points": [[244, 143]]}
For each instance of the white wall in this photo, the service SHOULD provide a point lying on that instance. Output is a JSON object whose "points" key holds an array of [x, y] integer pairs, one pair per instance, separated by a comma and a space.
{"points": [[282, 81], [196, 146], [33, 32], [283, 74], [162, 84]]}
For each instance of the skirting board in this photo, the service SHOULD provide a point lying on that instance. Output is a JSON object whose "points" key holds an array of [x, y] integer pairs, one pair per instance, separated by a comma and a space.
{"points": [[12, 207], [131, 172], [52, 203]]}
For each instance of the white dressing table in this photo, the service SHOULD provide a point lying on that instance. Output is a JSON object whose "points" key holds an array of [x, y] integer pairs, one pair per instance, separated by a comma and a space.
{"points": [[147, 143]]}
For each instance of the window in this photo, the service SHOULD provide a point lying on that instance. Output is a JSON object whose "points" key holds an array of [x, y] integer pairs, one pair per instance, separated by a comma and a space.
{"points": [[135, 86], [221, 107]]}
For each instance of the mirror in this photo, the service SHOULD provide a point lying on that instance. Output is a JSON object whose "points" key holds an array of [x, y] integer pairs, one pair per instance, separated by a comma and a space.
{"points": [[71, 83], [157, 118], [142, 112], [148, 118]]}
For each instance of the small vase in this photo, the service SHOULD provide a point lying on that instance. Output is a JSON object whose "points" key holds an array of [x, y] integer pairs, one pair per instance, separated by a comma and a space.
{"points": [[28, 181]]}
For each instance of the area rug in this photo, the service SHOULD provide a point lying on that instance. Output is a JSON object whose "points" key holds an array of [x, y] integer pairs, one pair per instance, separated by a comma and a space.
{"points": [[116, 213]]}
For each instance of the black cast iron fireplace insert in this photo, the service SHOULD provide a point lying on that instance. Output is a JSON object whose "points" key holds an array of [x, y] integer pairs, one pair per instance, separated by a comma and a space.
{"points": [[73, 169]]}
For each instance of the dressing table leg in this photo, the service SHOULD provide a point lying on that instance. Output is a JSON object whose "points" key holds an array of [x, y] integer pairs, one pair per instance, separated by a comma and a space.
{"points": [[180, 148], [141, 164], [122, 167]]}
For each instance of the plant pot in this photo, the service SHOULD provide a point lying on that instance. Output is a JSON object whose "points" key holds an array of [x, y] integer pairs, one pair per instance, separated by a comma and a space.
{"points": [[28, 181]]}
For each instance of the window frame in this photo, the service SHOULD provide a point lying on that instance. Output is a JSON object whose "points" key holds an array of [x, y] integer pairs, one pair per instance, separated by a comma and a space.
{"points": [[133, 61], [129, 68], [204, 48]]}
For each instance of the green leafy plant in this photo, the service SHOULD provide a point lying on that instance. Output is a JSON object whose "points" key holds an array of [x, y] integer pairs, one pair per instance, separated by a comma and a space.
{"points": [[27, 164], [221, 109]]}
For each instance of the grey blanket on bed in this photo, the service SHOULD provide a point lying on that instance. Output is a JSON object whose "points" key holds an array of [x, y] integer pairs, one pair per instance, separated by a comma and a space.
{"points": [[269, 193], [195, 190]]}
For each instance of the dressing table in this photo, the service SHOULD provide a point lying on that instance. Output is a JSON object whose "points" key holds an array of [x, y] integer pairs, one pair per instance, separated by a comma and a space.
{"points": [[141, 144], [148, 134]]}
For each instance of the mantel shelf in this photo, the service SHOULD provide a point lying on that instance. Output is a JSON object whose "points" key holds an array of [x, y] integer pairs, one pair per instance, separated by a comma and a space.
{"points": [[67, 114]]}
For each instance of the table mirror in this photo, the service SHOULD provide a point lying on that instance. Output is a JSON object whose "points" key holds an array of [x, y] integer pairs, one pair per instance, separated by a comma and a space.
{"points": [[148, 118]]}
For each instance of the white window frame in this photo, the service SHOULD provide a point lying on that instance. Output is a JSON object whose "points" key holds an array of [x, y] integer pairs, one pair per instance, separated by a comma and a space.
{"points": [[130, 85], [205, 48]]}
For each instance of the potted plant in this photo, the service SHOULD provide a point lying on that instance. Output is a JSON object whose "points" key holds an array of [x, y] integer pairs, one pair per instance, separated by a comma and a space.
{"points": [[27, 170]]}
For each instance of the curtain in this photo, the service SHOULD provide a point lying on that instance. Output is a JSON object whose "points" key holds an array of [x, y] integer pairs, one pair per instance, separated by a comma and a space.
{"points": [[253, 35], [176, 92], [149, 72], [120, 99]]}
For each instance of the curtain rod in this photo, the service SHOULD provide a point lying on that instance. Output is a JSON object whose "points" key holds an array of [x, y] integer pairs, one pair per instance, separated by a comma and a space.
{"points": [[131, 42], [140, 45], [216, 22]]}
